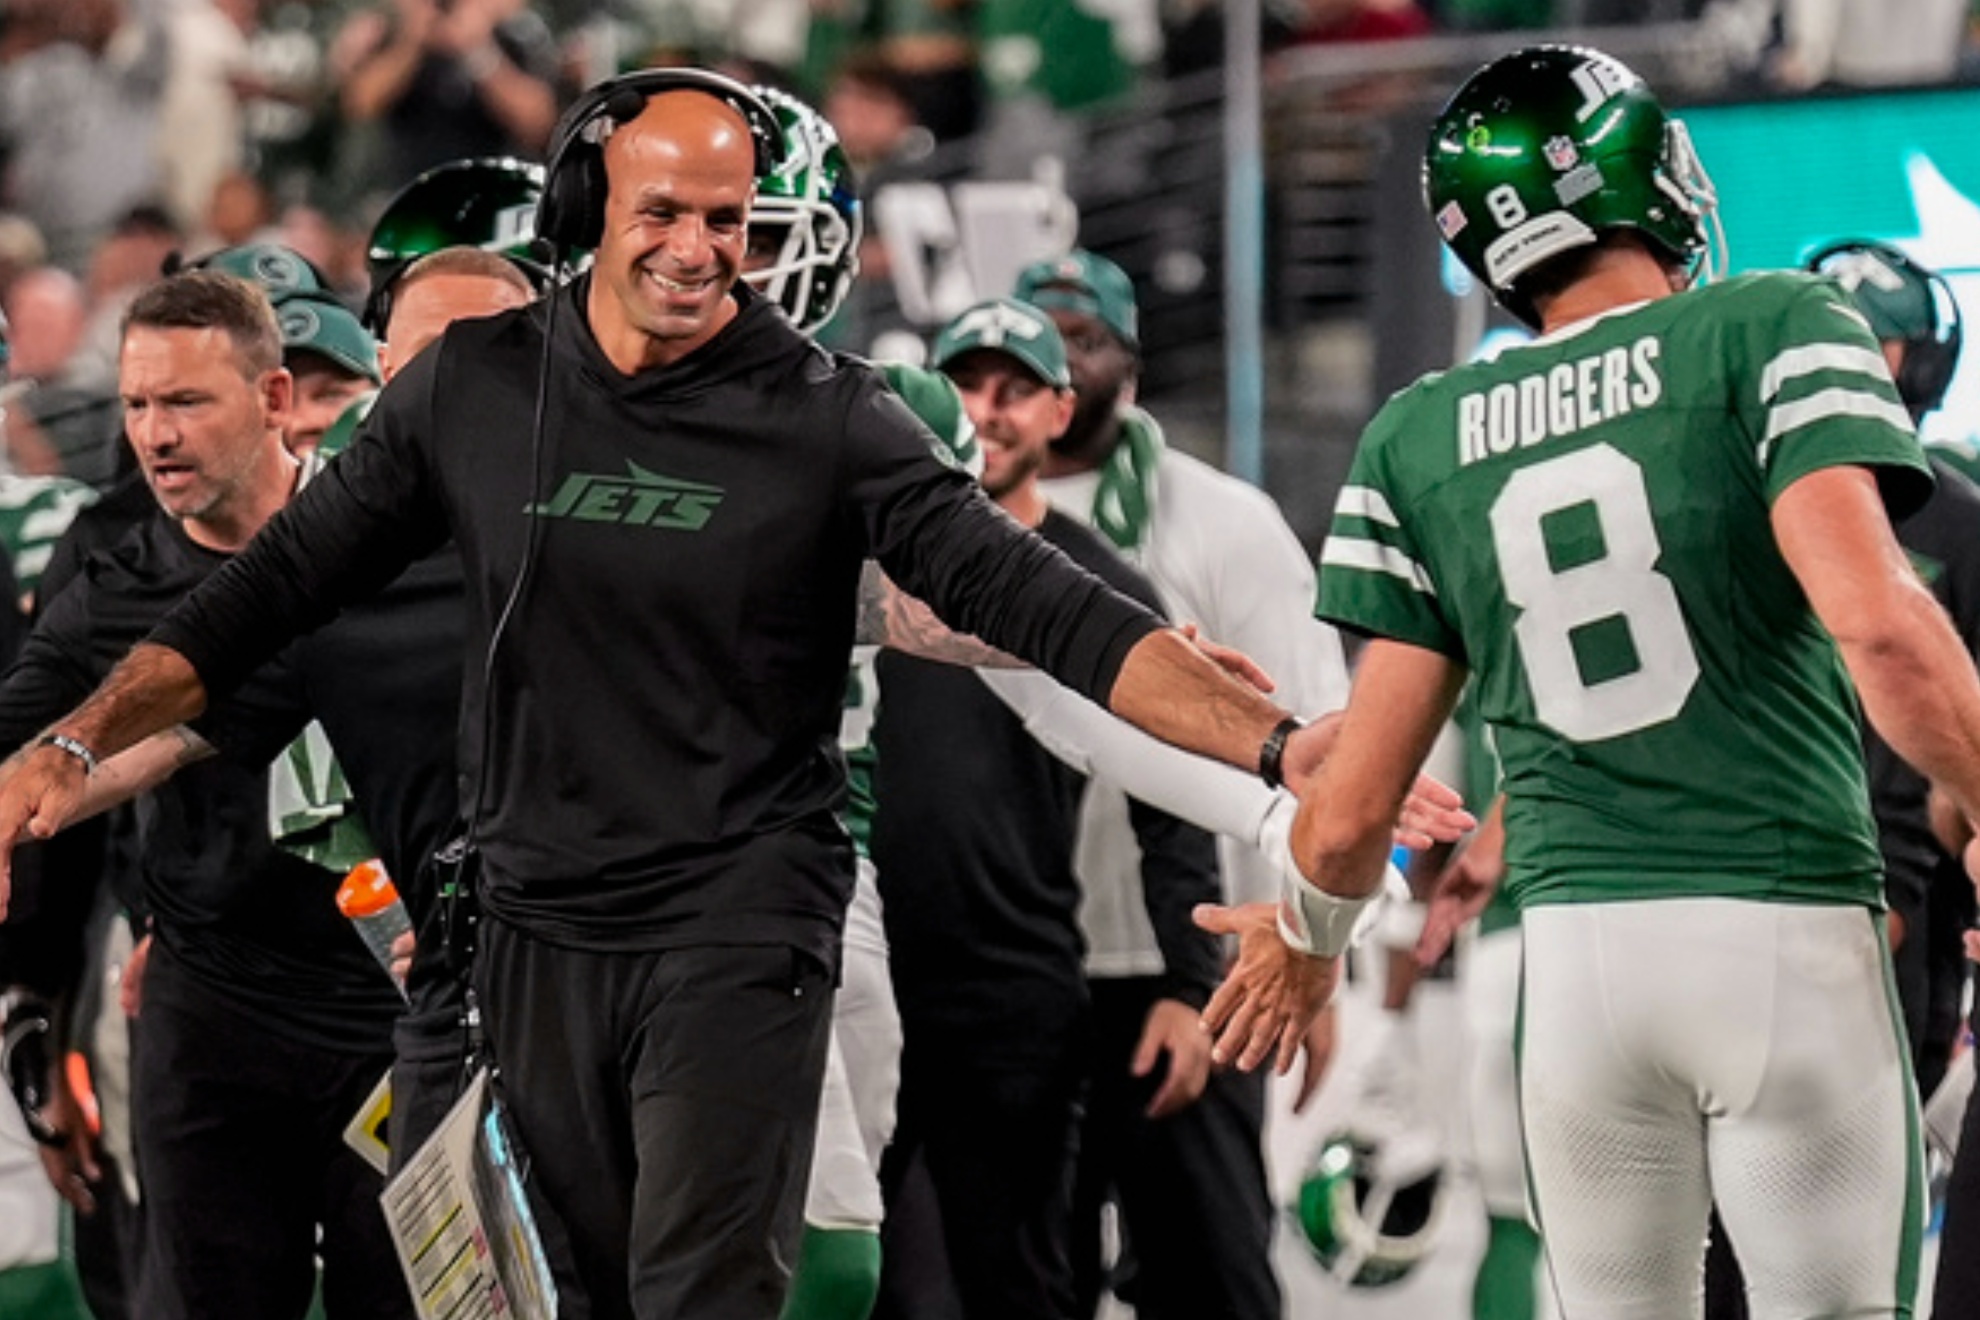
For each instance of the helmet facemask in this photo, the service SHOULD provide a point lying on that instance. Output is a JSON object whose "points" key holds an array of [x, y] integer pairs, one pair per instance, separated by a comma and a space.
{"points": [[809, 207]]}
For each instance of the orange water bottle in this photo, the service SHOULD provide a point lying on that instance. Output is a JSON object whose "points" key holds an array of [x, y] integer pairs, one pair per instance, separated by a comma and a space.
{"points": [[370, 899]]}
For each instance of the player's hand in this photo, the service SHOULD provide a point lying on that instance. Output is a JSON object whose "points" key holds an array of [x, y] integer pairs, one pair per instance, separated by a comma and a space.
{"points": [[1461, 893], [40, 788], [74, 1166], [1322, 1041], [1272, 993], [1173, 1029], [64, 1132], [1433, 813], [1229, 659]]}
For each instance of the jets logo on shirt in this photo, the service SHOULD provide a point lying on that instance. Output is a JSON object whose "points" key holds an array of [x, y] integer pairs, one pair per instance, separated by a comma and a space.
{"points": [[643, 499]]}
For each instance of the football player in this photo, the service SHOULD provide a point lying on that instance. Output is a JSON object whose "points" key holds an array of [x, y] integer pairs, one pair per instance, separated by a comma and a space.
{"points": [[1658, 537]]}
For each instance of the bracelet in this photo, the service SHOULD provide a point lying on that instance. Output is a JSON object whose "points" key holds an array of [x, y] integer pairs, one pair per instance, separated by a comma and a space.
{"points": [[1272, 752], [62, 742]]}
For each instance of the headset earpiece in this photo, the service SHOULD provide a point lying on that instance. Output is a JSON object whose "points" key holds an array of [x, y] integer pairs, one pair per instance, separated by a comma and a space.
{"points": [[571, 213], [1931, 351]]}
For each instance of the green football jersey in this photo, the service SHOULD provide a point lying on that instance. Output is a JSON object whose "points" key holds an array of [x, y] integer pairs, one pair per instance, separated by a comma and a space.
{"points": [[34, 512], [1584, 522], [856, 742]]}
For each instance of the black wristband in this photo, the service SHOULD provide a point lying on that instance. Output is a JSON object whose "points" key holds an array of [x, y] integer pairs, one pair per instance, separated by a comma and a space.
{"points": [[1272, 752]]}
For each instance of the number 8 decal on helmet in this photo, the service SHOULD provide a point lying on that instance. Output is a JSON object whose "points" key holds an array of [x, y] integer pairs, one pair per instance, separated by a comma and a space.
{"points": [[1540, 152]]}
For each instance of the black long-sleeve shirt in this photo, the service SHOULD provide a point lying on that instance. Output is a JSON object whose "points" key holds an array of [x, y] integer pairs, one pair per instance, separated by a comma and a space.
{"points": [[384, 682], [663, 766], [245, 918]]}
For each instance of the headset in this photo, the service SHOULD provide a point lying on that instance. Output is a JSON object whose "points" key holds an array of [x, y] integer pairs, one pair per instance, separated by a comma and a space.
{"points": [[571, 212], [1931, 329]]}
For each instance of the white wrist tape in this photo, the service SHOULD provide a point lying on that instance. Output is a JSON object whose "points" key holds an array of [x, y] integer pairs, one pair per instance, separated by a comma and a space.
{"points": [[1317, 922]]}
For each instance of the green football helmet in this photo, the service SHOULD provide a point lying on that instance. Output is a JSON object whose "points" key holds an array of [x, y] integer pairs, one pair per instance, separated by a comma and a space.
{"points": [[1542, 150], [1905, 302], [805, 226], [1366, 1222], [488, 203]]}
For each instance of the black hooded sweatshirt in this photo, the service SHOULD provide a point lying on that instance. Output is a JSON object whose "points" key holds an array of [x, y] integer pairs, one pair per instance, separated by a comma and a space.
{"points": [[662, 765]]}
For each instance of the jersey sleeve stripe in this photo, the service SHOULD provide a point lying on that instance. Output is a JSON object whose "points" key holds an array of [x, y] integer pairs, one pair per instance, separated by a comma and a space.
{"points": [[1352, 552], [1811, 358], [1365, 502], [1826, 405]]}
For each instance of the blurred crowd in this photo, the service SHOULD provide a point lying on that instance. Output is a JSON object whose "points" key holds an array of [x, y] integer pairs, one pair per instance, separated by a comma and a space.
{"points": [[133, 128]]}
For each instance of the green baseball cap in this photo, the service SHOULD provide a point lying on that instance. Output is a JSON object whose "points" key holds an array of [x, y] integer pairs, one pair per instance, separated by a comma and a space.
{"points": [[317, 323], [279, 271], [1005, 325], [933, 398], [1087, 282]]}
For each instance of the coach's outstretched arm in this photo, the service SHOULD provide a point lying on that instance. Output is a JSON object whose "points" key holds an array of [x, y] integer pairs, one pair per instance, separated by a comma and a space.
{"points": [[151, 689], [1168, 688]]}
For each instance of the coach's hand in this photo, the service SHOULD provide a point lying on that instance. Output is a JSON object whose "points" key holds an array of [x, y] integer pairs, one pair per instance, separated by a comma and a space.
{"points": [[40, 788]]}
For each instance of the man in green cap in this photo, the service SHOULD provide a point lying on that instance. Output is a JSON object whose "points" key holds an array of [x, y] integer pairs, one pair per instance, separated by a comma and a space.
{"points": [[325, 347], [334, 361], [974, 847], [1196, 1206]]}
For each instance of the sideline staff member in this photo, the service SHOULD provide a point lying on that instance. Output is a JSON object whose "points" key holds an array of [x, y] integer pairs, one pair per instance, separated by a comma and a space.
{"points": [[663, 871]]}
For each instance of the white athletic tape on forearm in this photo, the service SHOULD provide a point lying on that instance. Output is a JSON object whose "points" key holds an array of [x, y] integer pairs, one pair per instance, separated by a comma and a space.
{"points": [[1323, 924]]}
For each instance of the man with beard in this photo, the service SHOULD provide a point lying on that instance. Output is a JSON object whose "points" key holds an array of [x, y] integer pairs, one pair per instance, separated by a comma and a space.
{"points": [[264, 1021], [671, 494]]}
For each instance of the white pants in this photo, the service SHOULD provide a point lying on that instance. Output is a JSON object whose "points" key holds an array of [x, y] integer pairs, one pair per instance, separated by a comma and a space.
{"points": [[862, 1075], [1488, 975], [1680, 1051]]}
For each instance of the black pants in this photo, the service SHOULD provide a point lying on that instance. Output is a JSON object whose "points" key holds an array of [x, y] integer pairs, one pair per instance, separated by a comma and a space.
{"points": [[429, 1058], [109, 1246], [1930, 966], [667, 1104], [1191, 1187], [241, 1155], [1956, 1290], [996, 1136]]}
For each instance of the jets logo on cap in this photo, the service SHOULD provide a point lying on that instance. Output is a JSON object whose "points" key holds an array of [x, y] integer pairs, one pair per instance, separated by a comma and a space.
{"points": [[988, 326], [300, 323]]}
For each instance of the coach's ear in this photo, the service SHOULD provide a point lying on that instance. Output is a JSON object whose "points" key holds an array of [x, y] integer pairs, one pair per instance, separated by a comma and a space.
{"points": [[278, 397]]}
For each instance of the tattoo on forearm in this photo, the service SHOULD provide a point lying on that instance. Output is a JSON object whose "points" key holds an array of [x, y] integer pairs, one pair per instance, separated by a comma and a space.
{"points": [[871, 627], [189, 746], [890, 617]]}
